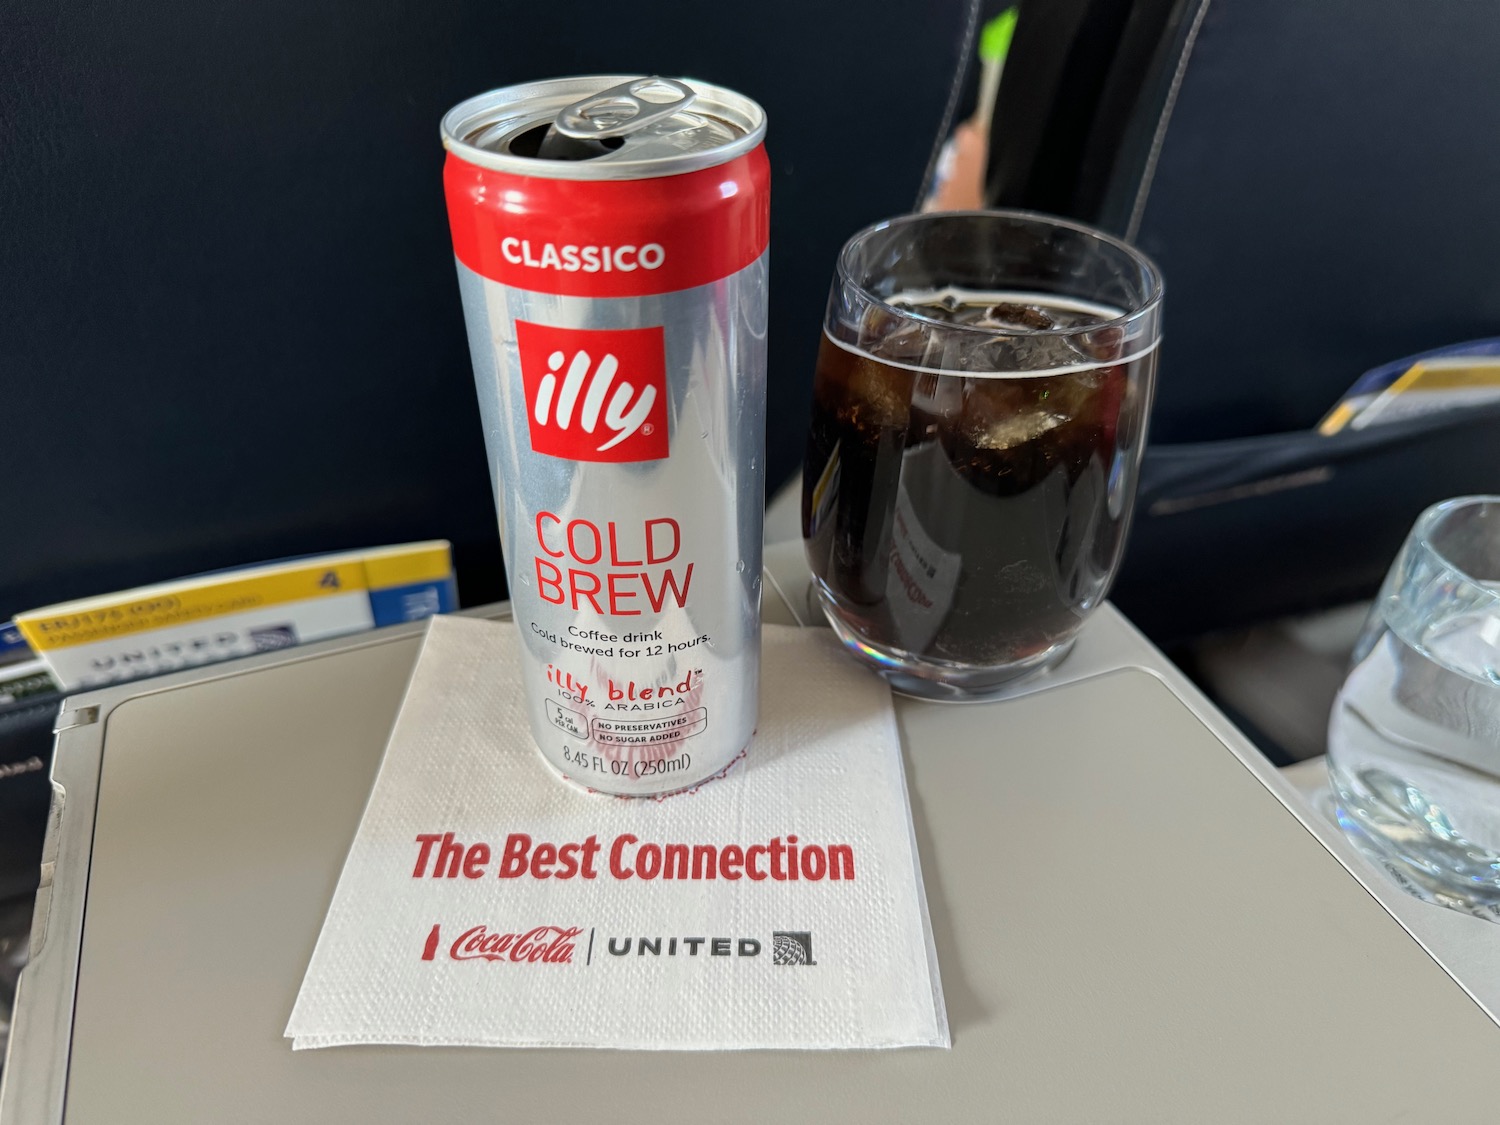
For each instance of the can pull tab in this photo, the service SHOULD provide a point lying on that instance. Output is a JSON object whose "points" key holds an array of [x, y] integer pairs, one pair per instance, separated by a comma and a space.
{"points": [[585, 128], [624, 109]]}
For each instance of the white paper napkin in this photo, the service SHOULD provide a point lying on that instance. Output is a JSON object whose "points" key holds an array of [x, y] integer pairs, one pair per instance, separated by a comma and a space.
{"points": [[550, 957]]}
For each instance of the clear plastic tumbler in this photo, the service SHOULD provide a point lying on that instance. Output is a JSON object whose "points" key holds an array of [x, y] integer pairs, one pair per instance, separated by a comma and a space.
{"points": [[1414, 738]]}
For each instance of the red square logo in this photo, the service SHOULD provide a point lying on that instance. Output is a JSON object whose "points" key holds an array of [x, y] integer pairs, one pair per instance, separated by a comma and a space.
{"points": [[595, 394]]}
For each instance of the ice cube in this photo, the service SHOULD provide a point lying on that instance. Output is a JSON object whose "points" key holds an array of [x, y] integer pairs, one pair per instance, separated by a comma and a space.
{"points": [[1075, 395], [1003, 413], [878, 396], [893, 336], [1007, 433], [1102, 343], [878, 323], [996, 398], [907, 343], [1019, 354], [1013, 315]]}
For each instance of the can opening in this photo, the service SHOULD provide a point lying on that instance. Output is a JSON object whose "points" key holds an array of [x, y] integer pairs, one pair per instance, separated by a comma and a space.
{"points": [[544, 142]]}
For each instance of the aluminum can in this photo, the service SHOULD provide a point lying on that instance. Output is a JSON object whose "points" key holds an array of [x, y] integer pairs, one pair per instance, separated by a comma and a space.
{"points": [[610, 235]]}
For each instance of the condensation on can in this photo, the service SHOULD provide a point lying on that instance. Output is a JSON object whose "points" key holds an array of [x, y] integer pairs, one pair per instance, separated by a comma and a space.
{"points": [[616, 312]]}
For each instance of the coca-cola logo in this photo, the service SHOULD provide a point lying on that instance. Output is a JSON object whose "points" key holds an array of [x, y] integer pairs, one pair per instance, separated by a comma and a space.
{"points": [[594, 394], [551, 945]]}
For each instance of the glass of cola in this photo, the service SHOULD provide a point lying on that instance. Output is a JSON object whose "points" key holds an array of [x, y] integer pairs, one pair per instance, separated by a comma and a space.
{"points": [[979, 414]]}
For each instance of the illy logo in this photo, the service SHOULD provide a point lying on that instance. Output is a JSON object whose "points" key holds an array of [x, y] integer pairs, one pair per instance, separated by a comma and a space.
{"points": [[594, 394]]}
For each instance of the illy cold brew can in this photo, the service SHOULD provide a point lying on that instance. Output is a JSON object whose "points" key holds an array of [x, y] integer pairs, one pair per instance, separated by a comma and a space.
{"points": [[610, 235]]}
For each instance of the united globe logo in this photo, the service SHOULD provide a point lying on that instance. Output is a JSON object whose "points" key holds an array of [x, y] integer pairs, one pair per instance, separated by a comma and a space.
{"points": [[791, 947]]}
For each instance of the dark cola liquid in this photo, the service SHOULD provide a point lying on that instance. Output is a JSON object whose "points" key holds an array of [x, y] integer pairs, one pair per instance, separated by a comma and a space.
{"points": [[965, 518]]}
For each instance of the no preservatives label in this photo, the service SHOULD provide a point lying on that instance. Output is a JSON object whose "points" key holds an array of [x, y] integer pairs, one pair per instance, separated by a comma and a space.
{"points": [[622, 732]]}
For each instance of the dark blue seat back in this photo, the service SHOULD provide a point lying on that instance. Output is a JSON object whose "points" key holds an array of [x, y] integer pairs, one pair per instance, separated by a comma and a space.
{"points": [[1315, 180]]}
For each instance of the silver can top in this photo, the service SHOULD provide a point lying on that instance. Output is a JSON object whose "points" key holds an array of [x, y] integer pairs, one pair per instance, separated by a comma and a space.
{"points": [[604, 127]]}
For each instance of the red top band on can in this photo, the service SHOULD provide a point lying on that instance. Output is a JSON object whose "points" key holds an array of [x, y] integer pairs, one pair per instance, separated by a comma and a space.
{"points": [[609, 238]]}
